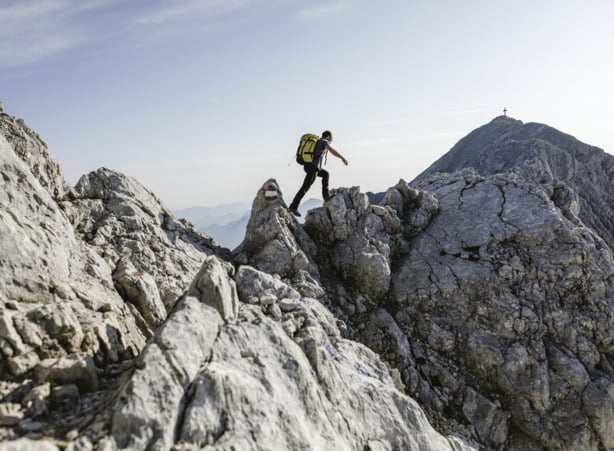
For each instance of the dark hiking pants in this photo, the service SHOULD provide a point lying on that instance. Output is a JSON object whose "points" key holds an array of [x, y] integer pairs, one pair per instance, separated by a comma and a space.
{"points": [[311, 173]]}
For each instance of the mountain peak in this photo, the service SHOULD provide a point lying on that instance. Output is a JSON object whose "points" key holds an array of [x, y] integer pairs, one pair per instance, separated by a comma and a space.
{"points": [[555, 161], [505, 118]]}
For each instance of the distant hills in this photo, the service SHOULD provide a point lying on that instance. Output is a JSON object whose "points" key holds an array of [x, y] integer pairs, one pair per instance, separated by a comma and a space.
{"points": [[226, 223]]}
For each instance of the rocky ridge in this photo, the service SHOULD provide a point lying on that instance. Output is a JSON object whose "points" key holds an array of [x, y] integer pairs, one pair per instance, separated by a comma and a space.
{"points": [[485, 295], [243, 359]]}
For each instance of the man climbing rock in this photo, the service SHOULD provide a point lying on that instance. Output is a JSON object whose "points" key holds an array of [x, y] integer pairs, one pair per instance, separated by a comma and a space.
{"points": [[314, 169]]}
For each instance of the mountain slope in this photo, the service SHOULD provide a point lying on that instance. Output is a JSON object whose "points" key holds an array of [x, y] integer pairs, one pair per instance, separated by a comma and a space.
{"points": [[578, 177]]}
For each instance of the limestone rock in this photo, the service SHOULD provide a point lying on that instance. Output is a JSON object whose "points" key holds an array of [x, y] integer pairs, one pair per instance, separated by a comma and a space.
{"points": [[25, 205], [484, 294], [358, 242], [150, 407], [72, 369], [139, 288], [250, 384], [213, 287], [25, 444], [32, 150], [254, 283], [515, 298], [36, 401], [274, 241], [56, 295], [575, 175], [121, 218]]}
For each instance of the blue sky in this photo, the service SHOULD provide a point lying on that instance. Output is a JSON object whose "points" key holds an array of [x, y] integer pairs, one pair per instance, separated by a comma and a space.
{"points": [[204, 100]]}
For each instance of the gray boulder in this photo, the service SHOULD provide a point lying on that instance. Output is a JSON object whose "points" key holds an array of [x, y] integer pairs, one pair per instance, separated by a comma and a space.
{"points": [[213, 287], [274, 241], [151, 404], [56, 295], [120, 218], [358, 242], [139, 288]]}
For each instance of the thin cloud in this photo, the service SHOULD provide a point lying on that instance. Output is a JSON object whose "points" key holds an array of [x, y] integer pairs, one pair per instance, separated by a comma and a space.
{"points": [[180, 10], [34, 30], [321, 11]]}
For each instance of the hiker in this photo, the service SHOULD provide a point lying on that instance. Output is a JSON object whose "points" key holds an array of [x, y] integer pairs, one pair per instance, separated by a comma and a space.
{"points": [[314, 169]]}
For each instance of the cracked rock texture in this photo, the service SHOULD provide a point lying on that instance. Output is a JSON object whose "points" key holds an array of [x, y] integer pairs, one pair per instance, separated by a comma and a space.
{"points": [[84, 274], [576, 176], [279, 377], [499, 312], [119, 218], [469, 309]]}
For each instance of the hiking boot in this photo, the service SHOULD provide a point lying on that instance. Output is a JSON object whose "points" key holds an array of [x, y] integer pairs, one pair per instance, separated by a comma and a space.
{"points": [[329, 197], [294, 211]]}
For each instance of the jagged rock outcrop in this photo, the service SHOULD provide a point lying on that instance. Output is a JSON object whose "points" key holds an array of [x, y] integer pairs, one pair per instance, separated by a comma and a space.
{"points": [[513, 309], [358, 243], [278, 377], [65, 330], [32, 150], [277, 244], [484, 294], [499, 312], [120, 219], [56, 294]]}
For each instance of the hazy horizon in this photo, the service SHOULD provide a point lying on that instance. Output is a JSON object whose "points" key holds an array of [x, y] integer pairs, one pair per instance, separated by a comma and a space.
{"points": [[203, 101]]}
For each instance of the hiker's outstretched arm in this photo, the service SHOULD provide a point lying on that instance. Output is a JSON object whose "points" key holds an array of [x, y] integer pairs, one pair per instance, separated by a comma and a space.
{"points": [[338, 155]]}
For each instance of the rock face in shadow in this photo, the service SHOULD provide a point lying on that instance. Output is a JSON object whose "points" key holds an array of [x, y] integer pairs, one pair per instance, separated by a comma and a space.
{"points": [[513, 309]]}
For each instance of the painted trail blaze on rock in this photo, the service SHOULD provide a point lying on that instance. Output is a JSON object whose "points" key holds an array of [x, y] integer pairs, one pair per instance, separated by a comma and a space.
{"points": [[270, 192]]}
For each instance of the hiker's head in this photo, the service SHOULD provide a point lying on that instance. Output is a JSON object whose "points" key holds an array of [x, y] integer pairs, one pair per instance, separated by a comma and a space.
{"points": [[327, 135]]}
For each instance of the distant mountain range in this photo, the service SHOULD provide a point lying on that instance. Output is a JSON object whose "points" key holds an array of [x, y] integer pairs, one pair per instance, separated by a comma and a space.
{"points": [[226, 223]]}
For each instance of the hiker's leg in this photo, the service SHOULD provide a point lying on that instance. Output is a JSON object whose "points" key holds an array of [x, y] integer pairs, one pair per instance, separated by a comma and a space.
{"points": [[324, 174], [310, 177]]}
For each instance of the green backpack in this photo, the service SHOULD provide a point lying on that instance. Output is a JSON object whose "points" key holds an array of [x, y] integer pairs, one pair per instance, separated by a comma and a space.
{"points": [[306, 148]]}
